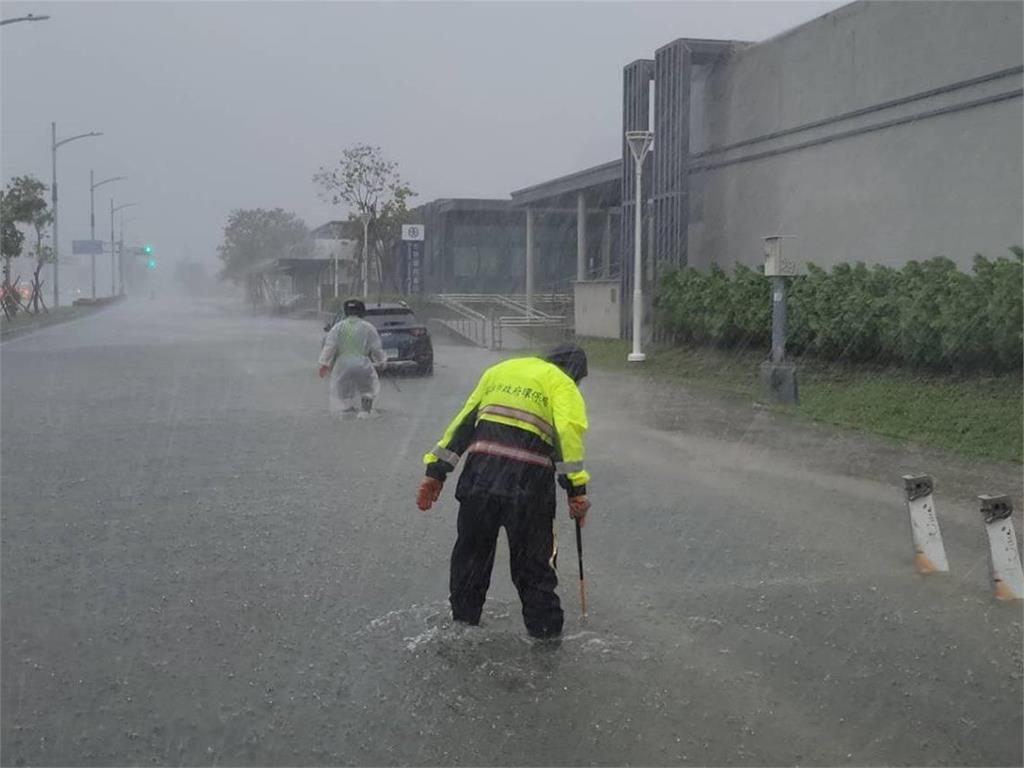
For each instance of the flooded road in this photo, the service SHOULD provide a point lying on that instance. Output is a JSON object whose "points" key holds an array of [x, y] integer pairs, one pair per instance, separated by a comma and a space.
{"points": [[200, 567]]}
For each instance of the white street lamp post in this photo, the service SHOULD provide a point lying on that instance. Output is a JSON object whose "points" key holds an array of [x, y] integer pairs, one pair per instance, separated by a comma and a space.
{"points": [[639, 145], [366, 254], [92, 222], [113, 262], [54, 144], [337, 252]]}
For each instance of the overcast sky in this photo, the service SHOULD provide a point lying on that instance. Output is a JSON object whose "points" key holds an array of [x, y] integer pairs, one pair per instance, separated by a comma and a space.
{"points": [[209, 106]]}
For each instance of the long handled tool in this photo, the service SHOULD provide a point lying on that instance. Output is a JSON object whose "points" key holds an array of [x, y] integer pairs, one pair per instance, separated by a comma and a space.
{"points": [[583, 581]]}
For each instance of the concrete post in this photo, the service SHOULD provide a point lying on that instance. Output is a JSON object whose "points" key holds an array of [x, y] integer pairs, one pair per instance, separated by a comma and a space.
{"points": [[1007, 576], [529, 258], [581, 237], [929, 551]]}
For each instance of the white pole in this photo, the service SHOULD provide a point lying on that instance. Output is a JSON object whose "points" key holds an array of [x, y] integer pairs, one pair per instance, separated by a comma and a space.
{"points": [[53, 199], [92, 232], [366, 255], [336, 269], [120, 259], [636, 356], [112, 246]]}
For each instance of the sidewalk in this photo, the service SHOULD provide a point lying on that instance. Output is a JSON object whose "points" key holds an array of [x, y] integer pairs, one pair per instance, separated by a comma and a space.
{"points": [[750, 436], [27, 323]]}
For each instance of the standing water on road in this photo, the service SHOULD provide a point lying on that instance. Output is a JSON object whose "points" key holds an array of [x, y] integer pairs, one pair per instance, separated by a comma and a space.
{"points": [[346, 418]]}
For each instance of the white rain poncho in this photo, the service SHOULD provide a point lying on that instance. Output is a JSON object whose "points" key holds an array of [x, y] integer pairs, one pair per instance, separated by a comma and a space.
{"points": [[352, 347]]}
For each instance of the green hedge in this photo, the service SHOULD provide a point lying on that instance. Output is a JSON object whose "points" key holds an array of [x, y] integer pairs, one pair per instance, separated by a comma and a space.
{"points": [[927, 315]]}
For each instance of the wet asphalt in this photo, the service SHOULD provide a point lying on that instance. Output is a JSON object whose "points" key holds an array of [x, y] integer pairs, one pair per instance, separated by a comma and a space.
{"points": [[200, 567]]}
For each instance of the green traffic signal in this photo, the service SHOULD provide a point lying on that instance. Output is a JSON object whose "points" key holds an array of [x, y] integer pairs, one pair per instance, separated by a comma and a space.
{"points": [[148, 249], [151, 264]]}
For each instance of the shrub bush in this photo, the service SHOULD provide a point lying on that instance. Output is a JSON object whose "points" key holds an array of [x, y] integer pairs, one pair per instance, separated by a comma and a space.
{"points": [[928, 315]]}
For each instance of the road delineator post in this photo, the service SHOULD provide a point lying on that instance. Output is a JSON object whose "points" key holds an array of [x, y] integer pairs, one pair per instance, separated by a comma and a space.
{"points": [[1007, 576], [929, 551]]}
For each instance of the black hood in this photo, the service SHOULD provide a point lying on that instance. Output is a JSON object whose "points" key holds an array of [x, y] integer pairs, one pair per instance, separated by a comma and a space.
{"points": [[571, 359]]}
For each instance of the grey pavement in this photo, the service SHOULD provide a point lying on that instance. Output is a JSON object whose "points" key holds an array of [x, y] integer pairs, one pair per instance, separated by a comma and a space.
{"points": [[200, 567]]}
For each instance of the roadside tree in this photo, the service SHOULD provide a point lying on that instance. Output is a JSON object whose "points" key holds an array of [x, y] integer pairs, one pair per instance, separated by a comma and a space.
{"points": [[255, 237], [372, 190], [24, 202]]}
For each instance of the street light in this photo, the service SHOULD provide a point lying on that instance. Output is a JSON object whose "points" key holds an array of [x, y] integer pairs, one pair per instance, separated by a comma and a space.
{"points": [[54, 145], [92, 222], [639, 145], [30, 17], [113, 266]]}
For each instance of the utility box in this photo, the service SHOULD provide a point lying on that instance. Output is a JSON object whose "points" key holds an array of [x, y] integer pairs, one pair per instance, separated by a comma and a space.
{"points": [[778, 377], [597, 308], [777, 261]]}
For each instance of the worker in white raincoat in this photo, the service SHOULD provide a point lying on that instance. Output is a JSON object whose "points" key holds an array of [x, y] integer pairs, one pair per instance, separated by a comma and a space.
{"points": [[352, 354]]}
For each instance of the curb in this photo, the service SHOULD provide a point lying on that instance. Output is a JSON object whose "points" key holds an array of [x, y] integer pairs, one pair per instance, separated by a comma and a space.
{"points": [[86, 309]]}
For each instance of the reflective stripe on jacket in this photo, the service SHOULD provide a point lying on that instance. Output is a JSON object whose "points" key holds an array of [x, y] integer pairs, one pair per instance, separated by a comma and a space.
{"points": [[528, 394]]}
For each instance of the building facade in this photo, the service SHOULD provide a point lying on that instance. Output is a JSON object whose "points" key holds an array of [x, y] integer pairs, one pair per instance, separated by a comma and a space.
{"points": [[480, 246], [881, 132]]}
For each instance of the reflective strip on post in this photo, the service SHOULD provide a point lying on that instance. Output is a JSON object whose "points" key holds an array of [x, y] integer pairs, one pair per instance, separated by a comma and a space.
{"points": [[568, 467], [929, 552], [1007, 576], [445, 455]]}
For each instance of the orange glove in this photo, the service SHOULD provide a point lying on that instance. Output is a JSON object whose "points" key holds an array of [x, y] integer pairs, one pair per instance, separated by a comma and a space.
{"points": [[324, 370], [578, 508], [429, 490]]}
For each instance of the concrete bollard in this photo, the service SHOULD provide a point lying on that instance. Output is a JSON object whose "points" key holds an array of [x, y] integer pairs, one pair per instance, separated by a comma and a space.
{"points": [[1007, 576], [929, 551]]}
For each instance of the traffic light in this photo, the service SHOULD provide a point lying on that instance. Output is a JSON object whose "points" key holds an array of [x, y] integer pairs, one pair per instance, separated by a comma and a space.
{"points": [[148, 249], [151, 264]]}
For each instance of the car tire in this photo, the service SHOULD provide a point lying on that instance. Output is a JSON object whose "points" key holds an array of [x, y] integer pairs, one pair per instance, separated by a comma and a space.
{"points": [[426, 369]]}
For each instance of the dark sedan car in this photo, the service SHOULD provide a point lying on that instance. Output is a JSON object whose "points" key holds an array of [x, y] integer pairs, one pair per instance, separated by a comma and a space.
{"points": [[406, 341]]}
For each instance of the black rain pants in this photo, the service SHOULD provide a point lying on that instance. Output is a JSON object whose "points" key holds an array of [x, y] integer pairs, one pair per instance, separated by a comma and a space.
{"points": [[529, 525]]}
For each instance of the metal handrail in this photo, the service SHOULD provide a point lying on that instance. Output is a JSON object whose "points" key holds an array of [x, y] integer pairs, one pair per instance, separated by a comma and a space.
{"points": [[486, 330], [454, 305], [518, 321]]}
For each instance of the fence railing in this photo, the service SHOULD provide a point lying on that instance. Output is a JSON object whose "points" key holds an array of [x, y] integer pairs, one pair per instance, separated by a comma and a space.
{"points": [[470, 324], [503, 312]]}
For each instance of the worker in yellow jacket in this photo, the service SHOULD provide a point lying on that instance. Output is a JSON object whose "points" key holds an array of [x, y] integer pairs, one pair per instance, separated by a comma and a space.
{"points": [[522, 425]]}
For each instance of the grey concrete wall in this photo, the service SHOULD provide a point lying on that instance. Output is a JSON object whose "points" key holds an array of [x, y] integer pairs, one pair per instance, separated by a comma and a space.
{"points": [[949, 184]]}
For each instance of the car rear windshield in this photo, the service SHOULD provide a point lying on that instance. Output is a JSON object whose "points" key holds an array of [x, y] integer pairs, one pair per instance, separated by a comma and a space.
{"points": [[384, 317]]}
